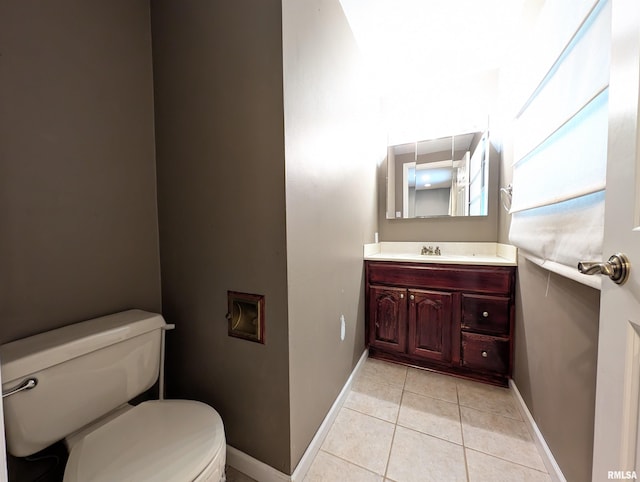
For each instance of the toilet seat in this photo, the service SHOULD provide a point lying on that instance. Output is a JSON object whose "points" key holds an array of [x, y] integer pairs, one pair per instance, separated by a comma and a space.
{"points": [[168, 440]]}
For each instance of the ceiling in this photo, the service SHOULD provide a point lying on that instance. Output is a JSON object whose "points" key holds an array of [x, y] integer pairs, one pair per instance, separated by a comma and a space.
{"points": [[461, 142], [457, 35], [435, 62]]}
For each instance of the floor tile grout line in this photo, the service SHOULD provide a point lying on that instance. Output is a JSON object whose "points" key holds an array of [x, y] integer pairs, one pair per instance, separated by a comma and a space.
{"points": [[379, 383], [513, 404], [430, 435], [367, 415], [372, 416], [382, 420], [350, 462], [487, 410], [464, 447], [370, 378], [393, 437], [507, 460], [530, 442], [395, 425], [494, 414], [429, 396], [490, 412]]}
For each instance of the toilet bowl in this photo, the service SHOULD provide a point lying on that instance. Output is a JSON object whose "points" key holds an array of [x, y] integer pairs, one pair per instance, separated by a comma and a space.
{"points": [[157, 440], [81, 377]]}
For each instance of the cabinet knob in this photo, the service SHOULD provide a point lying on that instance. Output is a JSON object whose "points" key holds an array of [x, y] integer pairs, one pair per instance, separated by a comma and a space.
{"points": [[485, 314], [402, 296], [485, 354], [412, 297]]}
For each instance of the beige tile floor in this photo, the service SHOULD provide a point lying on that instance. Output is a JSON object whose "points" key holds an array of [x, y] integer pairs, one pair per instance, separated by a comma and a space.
{"points": [[402, 424]]}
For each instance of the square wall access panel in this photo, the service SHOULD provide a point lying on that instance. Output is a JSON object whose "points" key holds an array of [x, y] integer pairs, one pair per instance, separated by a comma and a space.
{"points": [[246, 316]]}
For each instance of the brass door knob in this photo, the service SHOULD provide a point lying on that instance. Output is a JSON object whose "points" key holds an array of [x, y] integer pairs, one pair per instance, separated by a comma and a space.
{"points": [[617, 268]]}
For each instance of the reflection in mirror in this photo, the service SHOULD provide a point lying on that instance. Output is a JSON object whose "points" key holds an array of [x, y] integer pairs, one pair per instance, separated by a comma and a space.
{"points": [[447, 176]]}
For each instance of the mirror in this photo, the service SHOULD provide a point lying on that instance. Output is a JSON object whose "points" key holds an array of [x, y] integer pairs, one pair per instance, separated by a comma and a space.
{"points": [[447, 176]]}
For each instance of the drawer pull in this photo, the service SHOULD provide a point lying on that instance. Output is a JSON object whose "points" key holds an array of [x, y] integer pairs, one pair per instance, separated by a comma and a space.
{"points": [[412, 297], [485, 314], [485, 354], [402, 296]]}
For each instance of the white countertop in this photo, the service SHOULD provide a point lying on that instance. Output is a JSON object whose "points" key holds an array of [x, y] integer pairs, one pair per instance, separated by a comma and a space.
{"points": [[487, 254]]}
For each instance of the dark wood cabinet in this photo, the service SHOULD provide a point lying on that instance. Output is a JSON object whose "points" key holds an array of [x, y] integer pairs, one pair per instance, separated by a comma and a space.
{"points": [[388, 318], [485, 353], [430, 319], [486, 314], [452, 318]]}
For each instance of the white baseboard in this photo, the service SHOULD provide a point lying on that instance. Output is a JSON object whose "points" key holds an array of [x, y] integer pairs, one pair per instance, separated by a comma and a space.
{"points": [[312, 450], [265, 473], [547, 457], [253, 467]]}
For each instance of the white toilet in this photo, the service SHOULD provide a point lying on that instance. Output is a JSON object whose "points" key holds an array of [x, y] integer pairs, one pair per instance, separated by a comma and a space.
{"points": [[74, 383]]}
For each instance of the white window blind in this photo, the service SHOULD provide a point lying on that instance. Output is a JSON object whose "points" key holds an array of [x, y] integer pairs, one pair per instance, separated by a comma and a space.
{"points": [[560, 143]]}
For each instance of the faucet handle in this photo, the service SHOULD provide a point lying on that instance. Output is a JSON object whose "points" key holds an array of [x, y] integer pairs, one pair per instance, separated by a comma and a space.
{"points": [[437, 252]]}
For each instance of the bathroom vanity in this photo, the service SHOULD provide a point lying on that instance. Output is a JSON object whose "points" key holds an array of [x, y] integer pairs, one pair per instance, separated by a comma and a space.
{"points": [[452, 312]]}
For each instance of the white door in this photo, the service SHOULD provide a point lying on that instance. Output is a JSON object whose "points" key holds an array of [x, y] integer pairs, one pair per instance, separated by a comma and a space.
{"points": [[3, 454], [616, 446]]}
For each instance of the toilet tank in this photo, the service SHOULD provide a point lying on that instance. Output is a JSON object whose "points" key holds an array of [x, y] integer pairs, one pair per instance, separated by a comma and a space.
{"points": [[83, 371]]}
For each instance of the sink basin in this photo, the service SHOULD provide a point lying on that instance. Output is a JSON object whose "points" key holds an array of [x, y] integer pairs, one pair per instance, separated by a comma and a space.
{"points": [[493, 254]]}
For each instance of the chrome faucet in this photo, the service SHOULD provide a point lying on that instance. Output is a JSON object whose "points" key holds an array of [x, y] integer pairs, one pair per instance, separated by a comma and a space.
{"points": [[426, 250], [430, 251]]}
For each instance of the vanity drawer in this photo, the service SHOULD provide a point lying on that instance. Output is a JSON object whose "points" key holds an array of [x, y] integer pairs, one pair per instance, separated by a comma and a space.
{"points": [[487, 314], [480, 279], [486, 353]]}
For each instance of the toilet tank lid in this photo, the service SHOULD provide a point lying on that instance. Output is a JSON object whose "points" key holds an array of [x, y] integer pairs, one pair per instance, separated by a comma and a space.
{"points": [[23, 357]]}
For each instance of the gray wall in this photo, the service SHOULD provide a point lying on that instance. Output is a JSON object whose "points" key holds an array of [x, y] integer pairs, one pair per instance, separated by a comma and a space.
{"points": [[555, 353], [221, 183], [333, 144], [432, 202], [78, 222]]}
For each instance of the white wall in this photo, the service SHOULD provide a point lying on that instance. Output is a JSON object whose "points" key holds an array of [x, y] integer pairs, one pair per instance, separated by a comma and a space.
{"points": [[3, 448], [331, 151]]}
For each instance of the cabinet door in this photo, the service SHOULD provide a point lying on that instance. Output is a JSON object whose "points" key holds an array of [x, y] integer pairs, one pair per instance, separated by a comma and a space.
{"points": [[388, 318], [430, 324]]}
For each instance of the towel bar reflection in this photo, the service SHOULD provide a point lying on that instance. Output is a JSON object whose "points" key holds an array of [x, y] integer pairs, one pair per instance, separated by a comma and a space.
{"points": [[28, 384], [506, 196]]}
